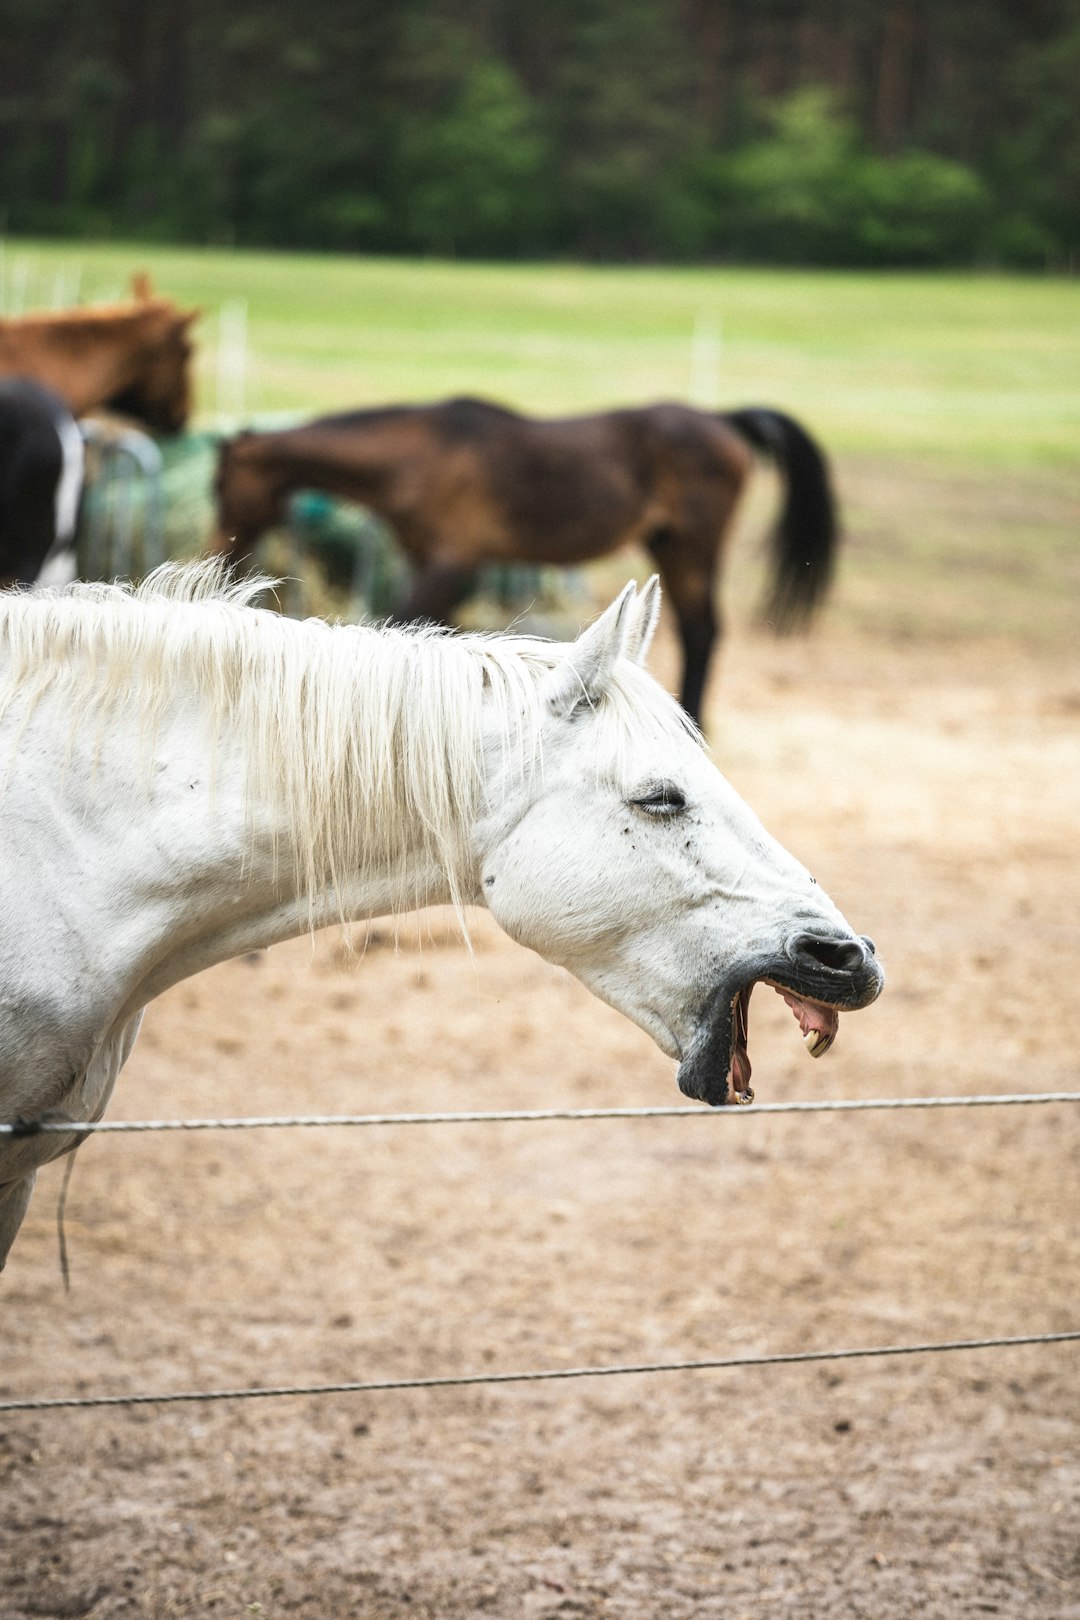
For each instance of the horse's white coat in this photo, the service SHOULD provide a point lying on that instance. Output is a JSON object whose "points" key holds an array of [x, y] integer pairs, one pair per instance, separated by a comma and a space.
{"points": [[183, 778]]}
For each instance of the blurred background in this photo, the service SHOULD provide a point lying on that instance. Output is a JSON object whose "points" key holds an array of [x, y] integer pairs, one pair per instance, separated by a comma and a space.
{"points": [[858, 132], [865, 213]]}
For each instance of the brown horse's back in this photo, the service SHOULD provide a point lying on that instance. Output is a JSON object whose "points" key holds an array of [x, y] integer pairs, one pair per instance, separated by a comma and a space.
{"points": [[392, 460], [472, 482], [465, 483], [553, 491]]}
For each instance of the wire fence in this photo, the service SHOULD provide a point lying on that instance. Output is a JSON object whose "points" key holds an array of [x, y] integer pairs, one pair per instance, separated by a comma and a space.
{"points": [[378, 1386], [526, 1116], [33, 1127]]}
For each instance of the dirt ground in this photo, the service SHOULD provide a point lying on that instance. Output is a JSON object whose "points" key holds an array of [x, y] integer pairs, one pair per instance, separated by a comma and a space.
{"points": [[930, 783]]}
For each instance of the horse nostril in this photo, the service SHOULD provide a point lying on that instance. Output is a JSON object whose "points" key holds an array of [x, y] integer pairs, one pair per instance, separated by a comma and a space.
{"points": [[837, 955], [868, 942]]}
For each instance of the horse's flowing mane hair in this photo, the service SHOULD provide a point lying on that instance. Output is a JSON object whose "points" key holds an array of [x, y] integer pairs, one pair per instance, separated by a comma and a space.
{"points": [[367, 741]]}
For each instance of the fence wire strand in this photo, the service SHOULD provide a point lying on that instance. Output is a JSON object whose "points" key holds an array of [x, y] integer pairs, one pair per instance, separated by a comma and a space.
{"points": [[35, 1127], [378, 1386], [27, 1127]]}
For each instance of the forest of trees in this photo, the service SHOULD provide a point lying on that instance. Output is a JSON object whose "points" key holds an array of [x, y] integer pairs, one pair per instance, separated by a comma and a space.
{"points": [[831, 132]]}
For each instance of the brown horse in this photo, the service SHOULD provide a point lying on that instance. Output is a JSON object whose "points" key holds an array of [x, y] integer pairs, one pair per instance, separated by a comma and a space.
{"points": [[132, 358], [465, 483]]}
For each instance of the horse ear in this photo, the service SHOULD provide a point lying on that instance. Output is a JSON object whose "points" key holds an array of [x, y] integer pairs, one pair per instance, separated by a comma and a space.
{"points": [[646, 617], [583, 674], [141, 288]]}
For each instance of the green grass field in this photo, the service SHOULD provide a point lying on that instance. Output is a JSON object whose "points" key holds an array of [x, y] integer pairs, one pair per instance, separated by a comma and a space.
{"points": [[950, 403], [978, 368]]}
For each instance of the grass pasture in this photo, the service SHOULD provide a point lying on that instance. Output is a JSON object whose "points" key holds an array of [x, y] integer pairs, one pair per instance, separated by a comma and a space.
{"points": [[980, 368], [920, 752], [950, 404]]}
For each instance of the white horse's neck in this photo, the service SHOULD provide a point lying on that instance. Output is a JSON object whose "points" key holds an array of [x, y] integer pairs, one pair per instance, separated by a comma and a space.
{"points": [[241, 804], [211, 871], [130, 863]]}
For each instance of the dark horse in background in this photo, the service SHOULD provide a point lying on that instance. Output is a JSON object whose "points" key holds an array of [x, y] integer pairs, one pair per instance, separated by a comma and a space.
{"points": [[466, 483], [41, 475]]}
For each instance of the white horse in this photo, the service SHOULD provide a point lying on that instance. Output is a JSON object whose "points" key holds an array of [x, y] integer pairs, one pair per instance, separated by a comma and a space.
{"points": [[184, 777]]}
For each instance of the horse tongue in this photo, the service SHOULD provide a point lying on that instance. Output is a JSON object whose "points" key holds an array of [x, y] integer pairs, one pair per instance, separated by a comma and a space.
{"points": [[739, 1078], [740, 1074]]}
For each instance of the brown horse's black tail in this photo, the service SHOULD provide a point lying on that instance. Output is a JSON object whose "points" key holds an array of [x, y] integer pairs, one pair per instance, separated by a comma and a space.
{"points": [[807, 532]]}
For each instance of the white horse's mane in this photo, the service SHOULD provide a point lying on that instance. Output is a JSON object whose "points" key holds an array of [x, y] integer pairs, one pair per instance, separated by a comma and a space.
{"points": [[368, 740]]}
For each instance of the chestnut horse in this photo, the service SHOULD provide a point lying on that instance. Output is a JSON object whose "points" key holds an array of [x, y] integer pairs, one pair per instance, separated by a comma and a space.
{"points": [[133, 358], [465, 483]]}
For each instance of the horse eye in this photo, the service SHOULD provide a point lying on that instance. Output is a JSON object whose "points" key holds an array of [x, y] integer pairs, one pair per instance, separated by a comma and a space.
{"points": [[665, 800]]}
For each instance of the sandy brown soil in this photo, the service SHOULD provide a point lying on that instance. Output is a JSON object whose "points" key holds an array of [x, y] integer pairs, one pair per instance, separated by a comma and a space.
{"points": [[932, 788]]}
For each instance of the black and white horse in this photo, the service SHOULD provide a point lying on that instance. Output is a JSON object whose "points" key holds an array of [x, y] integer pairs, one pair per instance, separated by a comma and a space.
{"points": [[41, 477]]}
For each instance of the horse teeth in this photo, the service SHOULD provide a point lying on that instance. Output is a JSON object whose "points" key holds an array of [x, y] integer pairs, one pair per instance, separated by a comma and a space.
{"points": [[815, 1042]]}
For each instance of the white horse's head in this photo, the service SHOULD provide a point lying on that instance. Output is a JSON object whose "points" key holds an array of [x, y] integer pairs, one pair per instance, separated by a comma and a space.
{"points": [[627, 858]]}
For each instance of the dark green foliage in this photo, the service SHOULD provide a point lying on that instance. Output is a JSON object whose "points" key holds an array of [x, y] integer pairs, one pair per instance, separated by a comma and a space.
{"points": [[621, 110], [468, 164], [812, 193], [863, 132]]}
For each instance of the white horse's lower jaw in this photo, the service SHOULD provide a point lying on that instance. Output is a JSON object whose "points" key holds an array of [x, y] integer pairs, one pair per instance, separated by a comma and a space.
{"points": [[716, 1068], [648, 1019]]}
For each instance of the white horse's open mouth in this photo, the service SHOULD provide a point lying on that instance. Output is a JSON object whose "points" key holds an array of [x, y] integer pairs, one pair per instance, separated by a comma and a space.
{"points": [[817, 979], [817, 1021]]}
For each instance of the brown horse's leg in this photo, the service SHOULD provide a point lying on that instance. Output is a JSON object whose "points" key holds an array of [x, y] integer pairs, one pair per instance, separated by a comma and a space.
{"points": [[688, 573], [436, 594]]}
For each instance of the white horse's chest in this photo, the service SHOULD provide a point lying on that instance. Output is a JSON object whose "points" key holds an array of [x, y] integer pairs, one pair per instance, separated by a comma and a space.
{"points": [[84, 1096]]}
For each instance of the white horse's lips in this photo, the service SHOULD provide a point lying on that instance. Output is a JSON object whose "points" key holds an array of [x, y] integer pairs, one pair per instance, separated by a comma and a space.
{"points": [[716, 1068]]}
